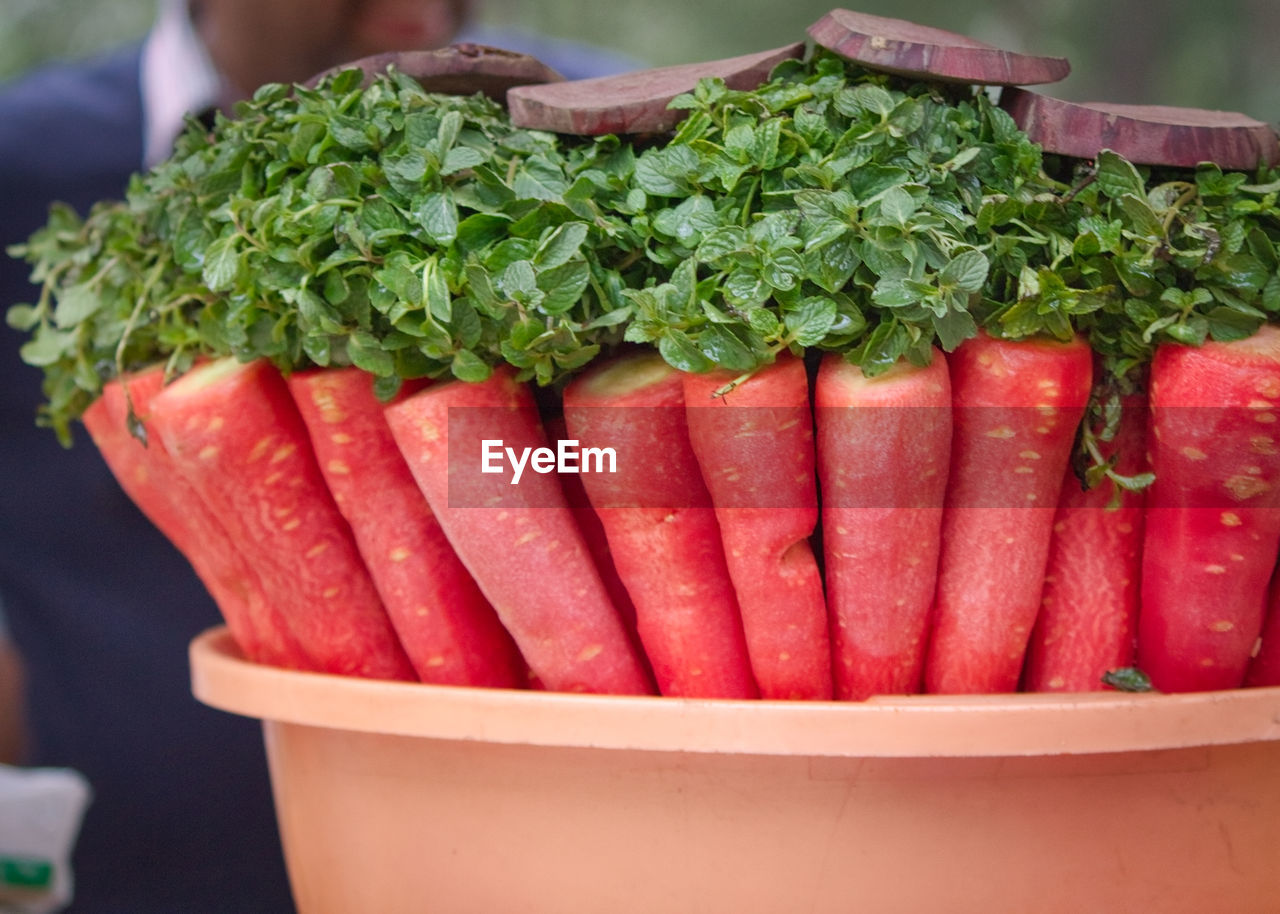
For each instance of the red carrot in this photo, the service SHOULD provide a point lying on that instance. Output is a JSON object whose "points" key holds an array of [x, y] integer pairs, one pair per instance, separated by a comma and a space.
{"points": [[448, 629], [235, 435], [1016, 407], [1264, 666], [149, 477], [884, 445], [514, 530], [575, 494], [1089, 609], [1212, 524], [755, 449], [662, 531]]}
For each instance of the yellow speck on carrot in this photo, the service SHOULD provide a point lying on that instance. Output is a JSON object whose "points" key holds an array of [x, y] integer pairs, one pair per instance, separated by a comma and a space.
{"points": [[327, 404], [1029, 455], [784, 656], [1222, 625], [1023, 471], [1215, 569], [437, 660], [422, 611], [1268, 387], [399, 553], [527, 537], [1263, 444], [1244, 487], [284, 452], [208, 453], [1001, 431], [341, 438], [259, 450], [1231, 519], [590, 652], [1057, 682], [216, 423], [339, 468], [1194, 453], [273, 478], [317, 550], [330, 592]]}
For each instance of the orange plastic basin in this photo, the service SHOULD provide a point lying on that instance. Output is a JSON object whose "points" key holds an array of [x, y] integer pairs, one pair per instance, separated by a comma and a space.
{"points": [[399, 797]]}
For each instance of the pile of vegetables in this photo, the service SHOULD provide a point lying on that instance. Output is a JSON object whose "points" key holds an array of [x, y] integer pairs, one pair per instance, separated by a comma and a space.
{"points": [[899, 400]]}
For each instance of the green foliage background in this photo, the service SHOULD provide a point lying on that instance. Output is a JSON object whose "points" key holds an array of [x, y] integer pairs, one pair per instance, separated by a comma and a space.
{"points": [[1174, 52]]}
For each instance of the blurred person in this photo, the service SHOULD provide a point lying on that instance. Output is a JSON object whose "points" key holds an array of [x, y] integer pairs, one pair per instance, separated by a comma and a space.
{"points": [[101, 607], [12, 726]]}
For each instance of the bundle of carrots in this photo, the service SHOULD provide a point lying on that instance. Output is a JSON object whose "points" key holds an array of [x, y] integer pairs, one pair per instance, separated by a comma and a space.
{"points": [[731, 491]]}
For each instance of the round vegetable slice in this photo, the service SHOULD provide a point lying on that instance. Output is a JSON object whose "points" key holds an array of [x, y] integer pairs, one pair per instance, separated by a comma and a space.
{"points": [[908, 49], [635, 102], [1143, 134], [459, 69]]}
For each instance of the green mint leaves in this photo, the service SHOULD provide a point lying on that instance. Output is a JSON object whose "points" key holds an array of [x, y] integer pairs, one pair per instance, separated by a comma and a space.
{"points": [[419, 235]]}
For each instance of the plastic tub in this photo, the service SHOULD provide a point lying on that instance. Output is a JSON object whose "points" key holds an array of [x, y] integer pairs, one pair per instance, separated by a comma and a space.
{"points": [[422, 799]]}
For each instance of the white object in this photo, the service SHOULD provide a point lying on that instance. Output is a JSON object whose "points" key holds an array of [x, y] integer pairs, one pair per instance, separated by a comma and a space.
{"points": [[40, 814]]}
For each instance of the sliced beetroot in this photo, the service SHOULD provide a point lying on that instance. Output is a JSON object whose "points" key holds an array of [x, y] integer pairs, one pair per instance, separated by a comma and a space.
{"points": [[459, 69], [634, 102], [908, 49], [1144, 134]]}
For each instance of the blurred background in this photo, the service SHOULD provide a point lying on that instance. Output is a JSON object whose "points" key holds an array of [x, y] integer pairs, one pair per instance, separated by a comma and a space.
{"points": [[1172, 52]]}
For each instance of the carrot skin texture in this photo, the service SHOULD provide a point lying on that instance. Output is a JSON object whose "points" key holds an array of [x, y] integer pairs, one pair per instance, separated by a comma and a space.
{"points": [[1016, 407], [519, 541], [592, 530], [1213, 513], [1264, 666], [236, 436], [755, 449], [1089, 609], [449, 631], [661, 528], [150, 478], [884, 447]]}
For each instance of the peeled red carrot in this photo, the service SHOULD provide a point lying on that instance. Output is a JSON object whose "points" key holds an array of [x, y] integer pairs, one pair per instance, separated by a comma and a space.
{"points": [[507, 518], [1016, 408], [661, 529], [149, 477], [884, 446], [1089, 608], [1264, 665], [1213, 512], [755, 449], [449, 631], [575, 494], [236, 437]]}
